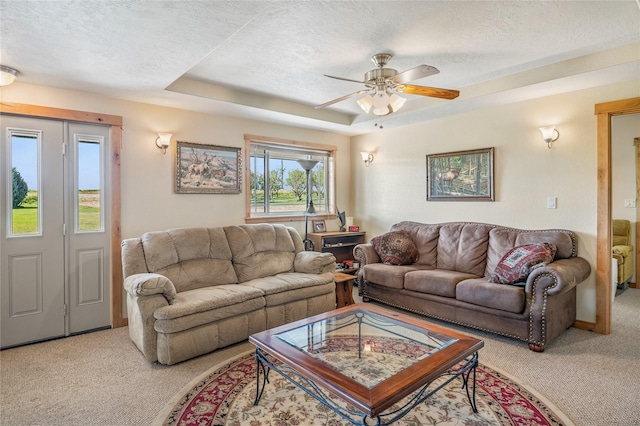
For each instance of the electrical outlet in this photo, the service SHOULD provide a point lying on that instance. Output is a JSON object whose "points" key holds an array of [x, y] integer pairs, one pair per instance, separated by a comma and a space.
{"points": [[551, 202], [630, 202]]}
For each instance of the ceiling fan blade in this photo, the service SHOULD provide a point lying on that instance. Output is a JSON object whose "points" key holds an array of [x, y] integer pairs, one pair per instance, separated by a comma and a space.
{"points": [[433, 92], [421, 71], [345, 79], [359, 92]]}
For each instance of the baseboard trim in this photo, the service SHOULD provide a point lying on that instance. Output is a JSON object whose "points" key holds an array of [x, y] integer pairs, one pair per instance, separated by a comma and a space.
{"points": [[584, 325]]}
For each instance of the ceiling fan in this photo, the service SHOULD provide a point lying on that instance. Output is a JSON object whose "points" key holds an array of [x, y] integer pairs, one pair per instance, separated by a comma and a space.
{"points": [[384, 84]]}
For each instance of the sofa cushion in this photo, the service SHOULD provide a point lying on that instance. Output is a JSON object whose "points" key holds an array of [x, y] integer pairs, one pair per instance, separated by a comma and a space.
{"points": [[389, 275], [438, 281], [260, 250], [395, 248], [482, 293], [292, 286], [517, 263], [462, 247], [425, 237], [502, 240], [190, 257], [206, 299]]}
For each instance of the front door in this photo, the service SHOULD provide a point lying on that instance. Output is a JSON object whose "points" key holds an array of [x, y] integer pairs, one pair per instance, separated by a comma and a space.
{"points": [[54, 245]]}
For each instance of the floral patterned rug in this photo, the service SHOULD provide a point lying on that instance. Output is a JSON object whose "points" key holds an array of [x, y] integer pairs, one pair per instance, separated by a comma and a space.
{"points": [[225, 396]]}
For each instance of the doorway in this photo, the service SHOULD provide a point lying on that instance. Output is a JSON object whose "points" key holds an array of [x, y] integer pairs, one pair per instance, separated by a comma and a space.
{"points": [[604, 112], [55, 244]]}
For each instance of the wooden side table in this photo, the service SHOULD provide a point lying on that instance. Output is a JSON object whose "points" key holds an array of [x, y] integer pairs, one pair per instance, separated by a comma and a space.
{"points": [[344, 289]]}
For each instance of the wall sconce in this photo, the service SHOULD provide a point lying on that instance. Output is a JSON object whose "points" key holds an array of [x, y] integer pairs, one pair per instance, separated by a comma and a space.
{"points": [[367, 157], [7, 75], [163, 140], [549, 134]]}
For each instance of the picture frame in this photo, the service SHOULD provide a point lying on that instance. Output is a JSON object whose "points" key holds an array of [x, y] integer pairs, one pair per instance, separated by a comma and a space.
{"points": [[207, 169], [461, 176], [319, 226]]}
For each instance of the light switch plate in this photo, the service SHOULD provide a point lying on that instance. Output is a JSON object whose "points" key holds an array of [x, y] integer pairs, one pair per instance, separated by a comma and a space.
{"points": [[630, 202], [551, 202]]}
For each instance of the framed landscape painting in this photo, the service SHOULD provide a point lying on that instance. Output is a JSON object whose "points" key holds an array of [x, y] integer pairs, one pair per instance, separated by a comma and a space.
{"points": [[460, 176], [207, 169]]}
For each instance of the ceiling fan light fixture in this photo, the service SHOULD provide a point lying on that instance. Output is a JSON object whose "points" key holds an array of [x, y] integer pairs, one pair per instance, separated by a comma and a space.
{"points": [[383, 110], [396, 102], [365, 103]]}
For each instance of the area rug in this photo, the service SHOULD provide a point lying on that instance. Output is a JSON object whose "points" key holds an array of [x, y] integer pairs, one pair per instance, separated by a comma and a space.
{"points": [[225, 394]]}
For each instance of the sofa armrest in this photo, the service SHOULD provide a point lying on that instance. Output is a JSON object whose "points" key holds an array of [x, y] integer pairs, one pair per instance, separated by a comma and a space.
{"points": [[365, 254], [313, 262], [622, 251], [558, 276], [148, 284], [543, 283]]}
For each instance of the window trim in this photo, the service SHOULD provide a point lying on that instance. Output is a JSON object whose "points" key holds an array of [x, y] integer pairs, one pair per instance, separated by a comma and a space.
{"points": [[332, 151]]}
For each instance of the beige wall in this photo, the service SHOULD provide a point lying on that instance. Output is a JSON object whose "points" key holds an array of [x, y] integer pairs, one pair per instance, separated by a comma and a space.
{"points": [[393, 188], [148, 200], [623, 174]]}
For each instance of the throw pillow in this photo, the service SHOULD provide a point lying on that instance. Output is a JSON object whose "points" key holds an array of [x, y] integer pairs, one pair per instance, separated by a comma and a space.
{"points": [[395, 248], [517, 263]]}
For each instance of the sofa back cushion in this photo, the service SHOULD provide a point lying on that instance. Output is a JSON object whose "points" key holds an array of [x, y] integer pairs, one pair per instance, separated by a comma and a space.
{"points": [[262, 250], [425, 237], [462, 247], [190, 257], [501, 240]]}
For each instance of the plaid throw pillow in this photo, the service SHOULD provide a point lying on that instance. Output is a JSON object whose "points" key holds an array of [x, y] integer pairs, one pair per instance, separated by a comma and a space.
{"points": [[395, 248], [517, 263]]}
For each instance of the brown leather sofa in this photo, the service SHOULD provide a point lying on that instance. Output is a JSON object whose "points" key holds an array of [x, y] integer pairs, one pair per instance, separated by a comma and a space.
{"points": [[450, 279]]}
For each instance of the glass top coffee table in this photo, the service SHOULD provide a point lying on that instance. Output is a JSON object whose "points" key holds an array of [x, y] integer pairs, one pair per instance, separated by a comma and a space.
{"points": [[370, 357]]}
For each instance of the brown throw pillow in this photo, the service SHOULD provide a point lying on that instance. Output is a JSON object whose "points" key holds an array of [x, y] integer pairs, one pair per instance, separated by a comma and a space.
{"points": [[395, 248], [517, 263]]}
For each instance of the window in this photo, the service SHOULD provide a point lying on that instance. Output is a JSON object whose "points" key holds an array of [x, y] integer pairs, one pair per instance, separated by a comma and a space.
{"points": [[25, 213], [89, 214], [277, 182]]}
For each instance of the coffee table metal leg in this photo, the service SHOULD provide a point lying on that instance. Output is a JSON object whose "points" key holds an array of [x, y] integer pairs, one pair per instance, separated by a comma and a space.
{"points": [[264, 368], [471, 395]]}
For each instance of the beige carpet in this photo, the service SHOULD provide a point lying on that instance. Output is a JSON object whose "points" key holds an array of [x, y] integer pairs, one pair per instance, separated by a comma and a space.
{"points": [[101, 379]]}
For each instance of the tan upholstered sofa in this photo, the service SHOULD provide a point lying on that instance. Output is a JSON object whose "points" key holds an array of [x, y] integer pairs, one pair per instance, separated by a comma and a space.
{"points": [[193, 290], [623, 250], [450, 279]]}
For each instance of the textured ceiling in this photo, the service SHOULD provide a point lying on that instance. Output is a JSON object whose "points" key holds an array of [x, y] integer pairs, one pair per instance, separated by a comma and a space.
{"points": [[266, 59]]}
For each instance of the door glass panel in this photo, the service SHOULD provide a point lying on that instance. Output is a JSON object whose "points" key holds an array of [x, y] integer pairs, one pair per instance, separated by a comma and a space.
{"points": [[89, 205], [25, 212]]}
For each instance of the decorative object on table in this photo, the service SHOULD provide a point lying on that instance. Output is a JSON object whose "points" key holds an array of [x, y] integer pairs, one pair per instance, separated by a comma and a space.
{"points": [[308, 165], [460, 176], [207, 169], [342, 218], [354, 229], [319, 226], [225, 394]]}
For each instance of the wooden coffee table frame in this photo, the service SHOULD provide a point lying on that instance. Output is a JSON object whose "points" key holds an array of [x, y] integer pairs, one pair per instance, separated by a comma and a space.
{"points": [[458, 359]]}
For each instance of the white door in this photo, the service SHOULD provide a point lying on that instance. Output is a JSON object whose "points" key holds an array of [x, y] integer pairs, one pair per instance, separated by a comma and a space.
{"points": [[54, 246], [88, 235]]}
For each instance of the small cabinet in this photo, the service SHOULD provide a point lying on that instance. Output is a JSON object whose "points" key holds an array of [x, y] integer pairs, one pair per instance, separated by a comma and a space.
{"points": [[341, 244]]}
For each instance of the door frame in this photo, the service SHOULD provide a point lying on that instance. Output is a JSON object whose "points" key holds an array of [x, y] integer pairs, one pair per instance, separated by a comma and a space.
{"points": [[604, 112], [115, 136]]}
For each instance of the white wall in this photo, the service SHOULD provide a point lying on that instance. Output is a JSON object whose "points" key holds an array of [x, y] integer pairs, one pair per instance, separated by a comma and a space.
{"points": [[393, 188], [148, 199], [624, 128]]}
